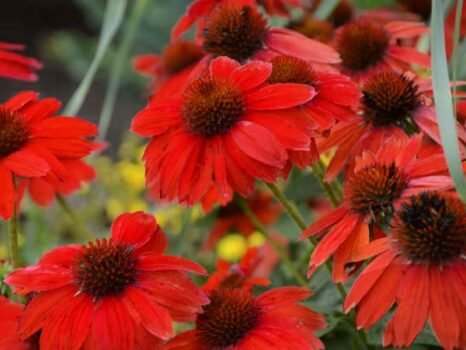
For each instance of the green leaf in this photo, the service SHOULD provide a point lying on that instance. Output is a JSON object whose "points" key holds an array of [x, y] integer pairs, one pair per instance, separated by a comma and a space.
{"points": [[114, 13], [443, 100]]}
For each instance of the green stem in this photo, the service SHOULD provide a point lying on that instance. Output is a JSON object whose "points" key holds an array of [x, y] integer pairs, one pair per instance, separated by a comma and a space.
{"points": [[328, 189], [118, 67], [299, 221], [278, 248], [13, 239], [74, 218]]}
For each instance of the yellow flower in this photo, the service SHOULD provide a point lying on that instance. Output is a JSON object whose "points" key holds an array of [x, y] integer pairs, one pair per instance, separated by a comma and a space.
{"points": [[132, 174], [257, 239], [232, 247]]}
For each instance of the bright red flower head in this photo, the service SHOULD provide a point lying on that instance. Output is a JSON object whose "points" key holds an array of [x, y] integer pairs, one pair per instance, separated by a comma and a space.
{"points": [[235, 319], [15, 66], [243, 274], [421, 269], [227, 129], [381, 181], [171, 69], [367, 47], [34, 142], [337, 98], [116, 293], [393, 106], [232, 218]]}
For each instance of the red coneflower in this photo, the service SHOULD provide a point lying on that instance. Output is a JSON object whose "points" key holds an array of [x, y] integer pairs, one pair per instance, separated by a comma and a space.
{"points": [[393, 105], [241, 33], [171, 69], [15, 66], [116, 293], [237, 320], [421, 268], [232, 218], [239, 275], [33, 141], [336, 99], [381, 181], [9, 336], [367, 47], [225, 130]]}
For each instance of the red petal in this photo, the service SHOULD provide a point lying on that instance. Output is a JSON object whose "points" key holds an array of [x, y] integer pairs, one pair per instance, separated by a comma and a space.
{"points": [[35, 112], [252, 74], [259, 143], [283, 295], [279, 96], [292, 43], [20, 100], [7, 194], [325, 222], [112, 325], [154, 318], [223, 67], [334, 239], [368, 278], [380, 298], [64, 256], [64, 127], [409, 55], [413, 295], [39, 278], [135, 229], [156, 119], [444, 310], [166, 263], [27, 164]]}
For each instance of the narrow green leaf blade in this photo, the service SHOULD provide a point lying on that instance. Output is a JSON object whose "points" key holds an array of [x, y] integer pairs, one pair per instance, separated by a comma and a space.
{"points": [[114, 13], [443, 100]]}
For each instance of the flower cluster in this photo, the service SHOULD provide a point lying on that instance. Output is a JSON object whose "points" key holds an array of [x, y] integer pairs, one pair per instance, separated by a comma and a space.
{"points": [[241, 106]]}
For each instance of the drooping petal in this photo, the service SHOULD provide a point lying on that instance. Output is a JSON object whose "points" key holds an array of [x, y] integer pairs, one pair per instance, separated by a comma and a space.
{"points": [[279, 96], [135, 229], [167, 262], [7, 194], [27, 164]]}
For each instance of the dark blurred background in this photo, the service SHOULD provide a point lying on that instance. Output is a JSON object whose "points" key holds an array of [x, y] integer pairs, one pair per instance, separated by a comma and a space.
{"points": [[63, 35]]}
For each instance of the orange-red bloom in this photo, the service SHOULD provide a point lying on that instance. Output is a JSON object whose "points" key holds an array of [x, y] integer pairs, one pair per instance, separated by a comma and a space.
{"points": [[227, 129], [235, 319], [240, 275], [393, 106], [367, 47], [34, 142], [116, 293], [16, 66], [381, 181], [420, 268]]}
